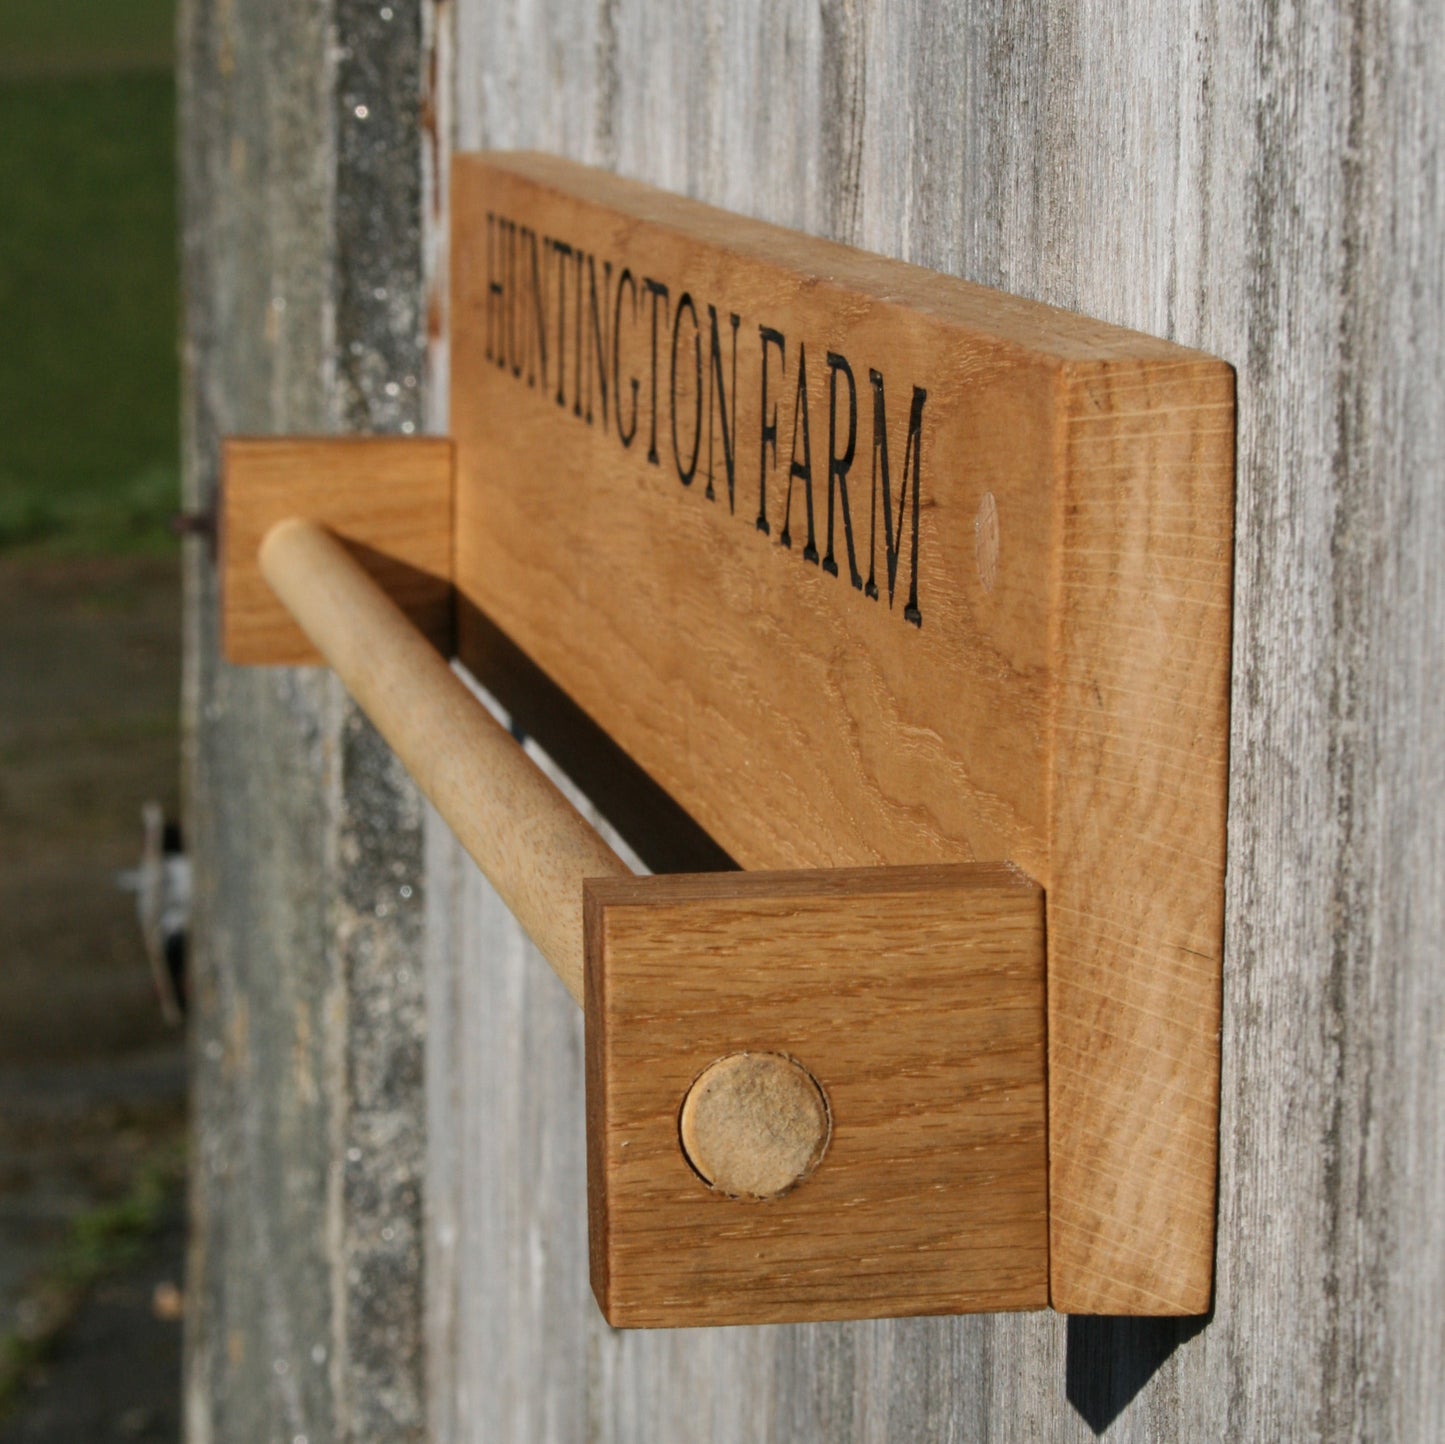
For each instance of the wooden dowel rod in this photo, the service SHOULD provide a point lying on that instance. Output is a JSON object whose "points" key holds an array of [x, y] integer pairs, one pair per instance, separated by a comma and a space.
{"points": [[532, 844], [755, 1123]]}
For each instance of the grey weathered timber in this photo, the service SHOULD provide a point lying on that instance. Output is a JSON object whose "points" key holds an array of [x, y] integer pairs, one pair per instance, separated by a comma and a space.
{"points": [[303, 312], [1257, 180]]}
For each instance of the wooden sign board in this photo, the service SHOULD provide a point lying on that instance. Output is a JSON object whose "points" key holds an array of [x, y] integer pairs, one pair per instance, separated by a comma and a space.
{"points": [[863, 564]]}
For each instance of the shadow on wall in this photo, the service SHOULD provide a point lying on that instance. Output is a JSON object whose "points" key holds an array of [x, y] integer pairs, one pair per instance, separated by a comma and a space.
{"points": [[1109, 1360]]}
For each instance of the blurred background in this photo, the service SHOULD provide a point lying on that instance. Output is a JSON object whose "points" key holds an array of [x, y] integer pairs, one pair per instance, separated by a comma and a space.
{"points": [[91, 1070]]}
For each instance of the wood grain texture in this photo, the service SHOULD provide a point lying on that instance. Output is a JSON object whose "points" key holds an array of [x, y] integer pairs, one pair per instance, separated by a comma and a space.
{"points": [[914, 996], [1137, 832], [1247, 179], [388, 498], [1046, 621]]}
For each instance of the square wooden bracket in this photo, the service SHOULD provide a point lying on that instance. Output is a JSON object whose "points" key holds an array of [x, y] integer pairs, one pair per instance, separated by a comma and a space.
{"points": [[388, 498], [914, 998], [885, 580]]}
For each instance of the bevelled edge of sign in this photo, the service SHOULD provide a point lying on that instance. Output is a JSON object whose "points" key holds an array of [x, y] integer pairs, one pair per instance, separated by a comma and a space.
{"points": [[889, 568], [1031, 325]]}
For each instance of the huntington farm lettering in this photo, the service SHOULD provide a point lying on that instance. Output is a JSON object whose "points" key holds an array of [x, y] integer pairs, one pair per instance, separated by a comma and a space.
{"points": [[656, 366]]}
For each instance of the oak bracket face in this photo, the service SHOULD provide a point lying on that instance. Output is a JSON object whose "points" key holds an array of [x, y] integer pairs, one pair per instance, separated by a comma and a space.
{"points": [[915, 998], [916, 597]]}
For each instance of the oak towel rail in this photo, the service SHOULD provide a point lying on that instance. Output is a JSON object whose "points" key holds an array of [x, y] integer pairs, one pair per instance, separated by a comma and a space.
{"points": [[960, 719]]}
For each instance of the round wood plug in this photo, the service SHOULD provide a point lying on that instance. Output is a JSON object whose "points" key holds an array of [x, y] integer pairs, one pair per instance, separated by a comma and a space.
{"points": [[755, 1125]]}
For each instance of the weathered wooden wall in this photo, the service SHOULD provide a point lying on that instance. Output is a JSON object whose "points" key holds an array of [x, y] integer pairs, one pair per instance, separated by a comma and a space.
{"points": [[303, 293], [1262, 181], [1259, 180]]}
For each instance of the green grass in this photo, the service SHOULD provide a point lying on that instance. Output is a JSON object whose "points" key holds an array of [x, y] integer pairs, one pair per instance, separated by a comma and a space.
{"points": [[88, 282], [114, 1235], [50, 35]]}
